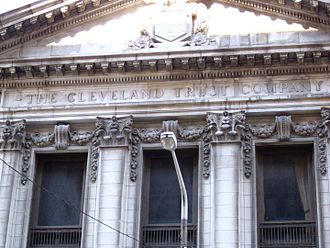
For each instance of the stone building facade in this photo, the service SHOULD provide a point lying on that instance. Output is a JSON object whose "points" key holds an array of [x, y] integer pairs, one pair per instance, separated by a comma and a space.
{"points": [[80, 123]]}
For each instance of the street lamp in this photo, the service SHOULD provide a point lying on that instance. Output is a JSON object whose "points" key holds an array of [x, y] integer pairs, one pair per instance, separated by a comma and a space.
{"points": [[169, 143]]}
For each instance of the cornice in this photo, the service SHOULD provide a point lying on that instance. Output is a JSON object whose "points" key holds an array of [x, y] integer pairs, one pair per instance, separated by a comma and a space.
{"points": [[38, 23], [185, 66], [57, 18]]}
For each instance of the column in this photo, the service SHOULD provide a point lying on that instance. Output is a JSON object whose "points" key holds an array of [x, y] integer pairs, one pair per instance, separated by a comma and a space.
{"points": [[12, 136], [225, 163], [226, 160], [108, 200]]}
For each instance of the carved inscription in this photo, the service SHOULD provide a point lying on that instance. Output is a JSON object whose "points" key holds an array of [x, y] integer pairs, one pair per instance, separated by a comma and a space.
{"points": [[211, 91]]}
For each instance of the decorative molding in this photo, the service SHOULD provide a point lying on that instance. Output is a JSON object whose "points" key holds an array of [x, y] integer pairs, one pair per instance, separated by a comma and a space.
{"points": [[262, 131], [94, 160], [152, 135], [306, 12], [233, 66], [12, 135], [144, 135], [304, 128], [246, 139], [57, 19], [322, 136]]}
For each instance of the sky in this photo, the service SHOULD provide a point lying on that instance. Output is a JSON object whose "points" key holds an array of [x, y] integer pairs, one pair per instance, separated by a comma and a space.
{"points": [[13, 4]]}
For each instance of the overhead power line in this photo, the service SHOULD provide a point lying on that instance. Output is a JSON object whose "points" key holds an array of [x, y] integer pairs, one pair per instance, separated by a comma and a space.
{"points": [[67, 203]]}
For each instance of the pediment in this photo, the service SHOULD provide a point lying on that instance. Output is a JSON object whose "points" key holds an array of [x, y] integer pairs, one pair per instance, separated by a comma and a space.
{"points": [[46, 21]]}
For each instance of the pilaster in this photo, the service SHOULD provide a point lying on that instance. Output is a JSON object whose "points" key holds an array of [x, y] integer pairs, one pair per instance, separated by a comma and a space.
{"points": [[12, 137]]}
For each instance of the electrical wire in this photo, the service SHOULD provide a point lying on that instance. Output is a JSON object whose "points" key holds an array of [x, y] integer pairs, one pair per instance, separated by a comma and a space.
{"points": [[67, 203]]}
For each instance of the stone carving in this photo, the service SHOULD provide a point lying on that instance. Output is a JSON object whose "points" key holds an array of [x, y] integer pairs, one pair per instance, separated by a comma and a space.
{"points": [[62, 134], [207, 138], [322, 135], [12, 135], [199, 37], [304, 128], [246, 139], [94, 163], [109, 131], [26, 158], [152, 135], [42, 140], [144, 41], [138, 136], [226, 123], [262, 130], [81, 138], [114, 131], [283, 127], [190, 133]]}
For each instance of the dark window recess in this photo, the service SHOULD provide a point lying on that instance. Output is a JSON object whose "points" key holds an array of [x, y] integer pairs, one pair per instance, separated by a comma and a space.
{"points": [[281, 193], [54, 223], [161, 209], [286, 198]]}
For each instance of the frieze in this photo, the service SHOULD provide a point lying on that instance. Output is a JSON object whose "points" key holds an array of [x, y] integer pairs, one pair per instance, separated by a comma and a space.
{"points": [[263, 130], [304, 128], [215, 90]]}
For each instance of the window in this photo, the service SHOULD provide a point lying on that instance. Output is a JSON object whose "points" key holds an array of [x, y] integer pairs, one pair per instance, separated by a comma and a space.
{"points": [[161, 205], [286, 197], [53, 222]]}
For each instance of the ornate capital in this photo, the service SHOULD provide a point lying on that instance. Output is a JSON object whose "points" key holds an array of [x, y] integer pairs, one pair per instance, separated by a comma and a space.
{"points": [[12, 135], [226, 125], [114, 131]]}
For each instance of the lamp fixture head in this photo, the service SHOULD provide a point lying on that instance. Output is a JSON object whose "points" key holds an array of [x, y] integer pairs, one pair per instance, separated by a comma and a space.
{"points": [[168, 140]]}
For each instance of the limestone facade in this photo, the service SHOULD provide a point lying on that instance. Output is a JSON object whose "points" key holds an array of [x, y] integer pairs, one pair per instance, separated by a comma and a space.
{"points": [[230, 96]]}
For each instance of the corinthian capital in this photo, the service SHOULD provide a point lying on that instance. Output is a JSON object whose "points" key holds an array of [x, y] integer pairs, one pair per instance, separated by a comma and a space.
{"points": [[12, 135], [114, 130]]}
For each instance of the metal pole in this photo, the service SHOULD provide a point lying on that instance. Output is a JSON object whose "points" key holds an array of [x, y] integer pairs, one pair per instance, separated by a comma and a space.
{"points": [[184, 204]]}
